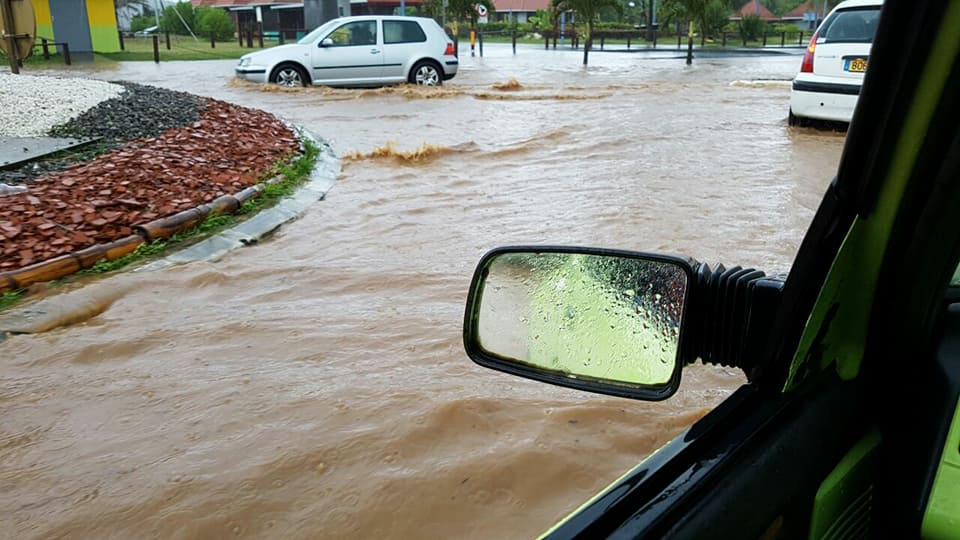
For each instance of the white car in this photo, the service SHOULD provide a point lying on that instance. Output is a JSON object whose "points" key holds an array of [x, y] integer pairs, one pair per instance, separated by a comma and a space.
{"points": [[828, 85], [358, 51]]}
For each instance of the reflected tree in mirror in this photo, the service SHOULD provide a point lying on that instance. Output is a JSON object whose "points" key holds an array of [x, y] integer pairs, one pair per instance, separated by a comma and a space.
{"points": [[608, 318]]}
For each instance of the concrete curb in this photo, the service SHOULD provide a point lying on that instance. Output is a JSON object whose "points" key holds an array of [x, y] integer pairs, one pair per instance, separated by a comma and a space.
{"points": [[322, 180], [83, 304]]}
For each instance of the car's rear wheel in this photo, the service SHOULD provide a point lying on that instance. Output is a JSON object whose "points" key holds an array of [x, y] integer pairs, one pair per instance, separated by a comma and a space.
{"points": [[792, 119], [426, 73], [289, 75]]}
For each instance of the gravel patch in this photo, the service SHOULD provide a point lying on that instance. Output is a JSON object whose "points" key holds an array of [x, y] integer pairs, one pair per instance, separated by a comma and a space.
{"points": [[141, 111], [135, 112], [33, 105]]}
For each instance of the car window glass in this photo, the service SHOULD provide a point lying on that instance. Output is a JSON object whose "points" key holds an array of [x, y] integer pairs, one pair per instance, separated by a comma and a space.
{"points": [[355, 33], [402, 32], [851, 26]]}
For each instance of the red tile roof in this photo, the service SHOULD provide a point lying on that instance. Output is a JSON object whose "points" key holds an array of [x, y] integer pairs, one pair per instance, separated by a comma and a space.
{"points": [[750, 8], [799, 11], [506, 6]]}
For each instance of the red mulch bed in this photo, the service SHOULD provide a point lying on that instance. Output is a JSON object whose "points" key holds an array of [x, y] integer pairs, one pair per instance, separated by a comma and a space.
{"points": [[98, 201]]}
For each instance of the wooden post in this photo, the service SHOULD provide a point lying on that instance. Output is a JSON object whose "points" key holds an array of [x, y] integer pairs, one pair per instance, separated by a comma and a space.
{"points": [[513, 37], [764, 38], [783, 39], [239, 36], [46, 49], [167, 37], [156, 49], [120, 36], [800, 41], [280, 38], [249, 37], [724, 39], [213, 40], [628, 43], [260, 34], [11, 41], [690, 44], [679, 43], [602, 40], [480, 40], [66, 54], [654, 39], [546, 41]]}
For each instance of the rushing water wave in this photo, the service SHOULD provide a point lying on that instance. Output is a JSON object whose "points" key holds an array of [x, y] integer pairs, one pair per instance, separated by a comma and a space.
{"points": [[314, 385]]}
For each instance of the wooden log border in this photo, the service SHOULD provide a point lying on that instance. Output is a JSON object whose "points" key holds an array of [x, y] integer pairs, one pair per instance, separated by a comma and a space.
{"points": [[165, 227]]}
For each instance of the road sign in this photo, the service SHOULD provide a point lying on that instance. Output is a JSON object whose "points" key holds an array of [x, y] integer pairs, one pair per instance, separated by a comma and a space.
{"points": [[482, 13]]}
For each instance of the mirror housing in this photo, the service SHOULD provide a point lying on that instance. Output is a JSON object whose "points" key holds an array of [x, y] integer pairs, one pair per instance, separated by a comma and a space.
{"points": [[600, 320], [327, 42], [591, 305]]}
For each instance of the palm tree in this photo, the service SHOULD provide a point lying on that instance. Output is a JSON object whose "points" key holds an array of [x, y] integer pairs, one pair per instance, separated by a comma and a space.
{"points": [[587, 11], [465, 11]]}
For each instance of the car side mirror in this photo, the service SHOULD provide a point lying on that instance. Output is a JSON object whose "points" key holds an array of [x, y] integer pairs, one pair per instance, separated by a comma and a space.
{"points": [[327, 42], [593, 319]]}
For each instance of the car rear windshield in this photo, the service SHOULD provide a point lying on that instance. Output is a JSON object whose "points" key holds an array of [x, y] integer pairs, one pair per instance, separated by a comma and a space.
{"points": [[855, 25]]}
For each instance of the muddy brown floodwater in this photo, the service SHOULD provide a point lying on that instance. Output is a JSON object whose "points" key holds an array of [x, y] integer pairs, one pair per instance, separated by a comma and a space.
{"points": [[315, 386]]}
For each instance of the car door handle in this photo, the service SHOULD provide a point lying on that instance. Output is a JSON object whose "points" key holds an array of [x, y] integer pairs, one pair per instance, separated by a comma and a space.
{"points": [[374, 51]]}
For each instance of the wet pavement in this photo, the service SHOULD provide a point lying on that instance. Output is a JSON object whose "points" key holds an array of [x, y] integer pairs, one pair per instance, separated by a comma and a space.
{"points": [[314, 385]]}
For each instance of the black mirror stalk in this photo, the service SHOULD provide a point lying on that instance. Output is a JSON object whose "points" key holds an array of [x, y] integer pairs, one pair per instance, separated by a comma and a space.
{"points": [[730, 313]]}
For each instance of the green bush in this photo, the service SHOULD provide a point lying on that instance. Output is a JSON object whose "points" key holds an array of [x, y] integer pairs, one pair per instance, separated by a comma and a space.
{"points": [[142, 23], [170, 22], [716, 15], [788, 28], [752, 27], [215, 21]]}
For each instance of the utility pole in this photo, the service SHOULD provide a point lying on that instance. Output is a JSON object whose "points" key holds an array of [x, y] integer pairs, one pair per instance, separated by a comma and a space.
{"points": [[651, 9]]}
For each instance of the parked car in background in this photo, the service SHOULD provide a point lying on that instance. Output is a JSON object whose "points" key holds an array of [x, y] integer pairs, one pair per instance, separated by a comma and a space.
{"points": [[828, 85], [358, 51], [149, 31]]}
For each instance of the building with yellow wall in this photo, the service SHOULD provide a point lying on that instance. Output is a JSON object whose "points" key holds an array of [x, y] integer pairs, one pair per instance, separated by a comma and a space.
{"points": [[87, 25]]}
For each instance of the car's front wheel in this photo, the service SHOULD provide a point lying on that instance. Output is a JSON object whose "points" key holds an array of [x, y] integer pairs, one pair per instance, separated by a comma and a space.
{"points": [[426, 73], [289, 75]]}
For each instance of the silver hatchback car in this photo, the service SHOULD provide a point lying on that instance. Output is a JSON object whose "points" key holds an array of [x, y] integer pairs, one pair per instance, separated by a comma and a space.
{"points": [[358, 51]]}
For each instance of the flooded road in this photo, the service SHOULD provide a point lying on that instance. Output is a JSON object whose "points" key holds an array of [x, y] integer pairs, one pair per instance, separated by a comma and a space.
{"points": [[315, 385]]}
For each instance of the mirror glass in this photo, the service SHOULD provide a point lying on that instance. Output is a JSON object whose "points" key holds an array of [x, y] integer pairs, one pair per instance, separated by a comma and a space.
{"points": [[606, 318]]}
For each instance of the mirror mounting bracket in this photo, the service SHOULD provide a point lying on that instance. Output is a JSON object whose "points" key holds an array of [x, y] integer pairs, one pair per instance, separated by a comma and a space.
{"points": [[730, 313]]}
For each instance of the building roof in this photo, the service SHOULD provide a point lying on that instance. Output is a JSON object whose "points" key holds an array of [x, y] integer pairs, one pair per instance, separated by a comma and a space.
{"points": [[751, 8], [799, 11], [504, 6]]}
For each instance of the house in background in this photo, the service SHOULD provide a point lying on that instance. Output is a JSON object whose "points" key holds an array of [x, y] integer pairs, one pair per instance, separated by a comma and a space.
{"points": [[295, 19], [88, 26], [519, 10], [754, 7], [807, 15]]}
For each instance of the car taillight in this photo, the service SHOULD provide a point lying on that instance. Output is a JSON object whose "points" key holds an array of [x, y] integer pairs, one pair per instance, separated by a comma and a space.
{"points": [[450, 50], [807, 65]]}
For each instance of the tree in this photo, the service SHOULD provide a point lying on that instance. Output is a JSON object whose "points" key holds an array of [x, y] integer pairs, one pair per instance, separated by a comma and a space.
{"points": [[460, 11], [709, 16], [171, 22], [587, 12], [214, 21]]}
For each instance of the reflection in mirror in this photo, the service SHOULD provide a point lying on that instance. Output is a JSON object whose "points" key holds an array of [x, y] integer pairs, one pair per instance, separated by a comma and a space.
{"points": [[608, 318]]}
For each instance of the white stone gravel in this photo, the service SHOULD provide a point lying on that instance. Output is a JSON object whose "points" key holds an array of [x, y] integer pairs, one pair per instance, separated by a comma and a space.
{"points": [[32, 105]]}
